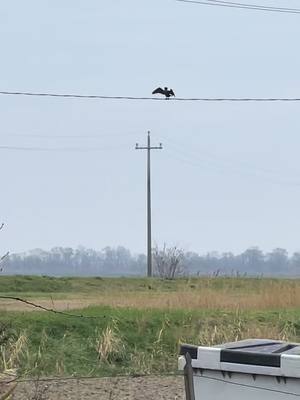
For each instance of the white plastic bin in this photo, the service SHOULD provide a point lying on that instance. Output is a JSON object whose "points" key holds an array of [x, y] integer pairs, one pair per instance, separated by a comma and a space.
{"points": [[252, 369]]}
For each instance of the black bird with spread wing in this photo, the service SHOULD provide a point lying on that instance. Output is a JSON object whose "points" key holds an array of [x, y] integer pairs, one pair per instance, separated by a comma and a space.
{"points": [[165, 91]]}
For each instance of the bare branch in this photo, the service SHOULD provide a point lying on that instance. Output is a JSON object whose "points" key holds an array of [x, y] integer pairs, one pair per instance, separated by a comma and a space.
{"points": [[2, 258], [51, 310], [168, 261], [6, 254]]}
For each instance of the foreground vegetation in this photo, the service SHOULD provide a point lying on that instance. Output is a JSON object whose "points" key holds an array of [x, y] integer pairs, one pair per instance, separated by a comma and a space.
{"points": [[127, 341], [143, 329]]}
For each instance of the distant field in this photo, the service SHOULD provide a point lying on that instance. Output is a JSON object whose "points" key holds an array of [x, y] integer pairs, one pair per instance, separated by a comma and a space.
{"points": [[139, 323], [187, 294]]}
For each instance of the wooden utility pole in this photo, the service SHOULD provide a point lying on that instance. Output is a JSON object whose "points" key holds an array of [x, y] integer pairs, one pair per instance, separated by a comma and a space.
{"points": [[149, 227]]}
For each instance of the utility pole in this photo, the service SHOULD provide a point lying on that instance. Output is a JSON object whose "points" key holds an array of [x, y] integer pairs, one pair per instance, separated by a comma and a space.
{"points": [[149, 239]]}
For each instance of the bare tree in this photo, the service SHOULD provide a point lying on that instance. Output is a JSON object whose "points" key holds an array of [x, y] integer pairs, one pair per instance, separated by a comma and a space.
{"points": [[168, 261]]}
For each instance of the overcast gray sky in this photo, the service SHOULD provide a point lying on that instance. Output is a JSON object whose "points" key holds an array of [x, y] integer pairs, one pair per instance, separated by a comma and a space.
{"points": [[229, 175]]}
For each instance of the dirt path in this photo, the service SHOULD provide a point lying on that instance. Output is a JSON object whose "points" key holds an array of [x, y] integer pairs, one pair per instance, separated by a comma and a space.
{"points": [[59, 305], [145, 388]]}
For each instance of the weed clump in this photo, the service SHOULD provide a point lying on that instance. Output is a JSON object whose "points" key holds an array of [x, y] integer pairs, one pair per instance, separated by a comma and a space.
{"points": [[109, 344]]}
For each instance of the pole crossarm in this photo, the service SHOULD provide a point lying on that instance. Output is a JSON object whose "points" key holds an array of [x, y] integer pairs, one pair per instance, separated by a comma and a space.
{"points": [[137, 147], [149, 227]]}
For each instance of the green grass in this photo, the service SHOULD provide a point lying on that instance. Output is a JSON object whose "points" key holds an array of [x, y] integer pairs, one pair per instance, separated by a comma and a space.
{"points": [[48, 284], [148, 339], [65, 285], [139, 340]]}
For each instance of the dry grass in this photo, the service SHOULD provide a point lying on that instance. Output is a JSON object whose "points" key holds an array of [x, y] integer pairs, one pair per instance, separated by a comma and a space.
{"points": [[266, 295], [109, 345], [271, 298], [239, 329], [12, 352]]}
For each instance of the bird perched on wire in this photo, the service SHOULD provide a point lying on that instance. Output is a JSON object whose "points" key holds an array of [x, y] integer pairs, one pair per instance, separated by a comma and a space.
{"points": [[165, 91]]}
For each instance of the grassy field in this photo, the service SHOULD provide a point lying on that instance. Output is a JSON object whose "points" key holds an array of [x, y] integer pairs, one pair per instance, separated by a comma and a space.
{"points": [[138, 323], [187, 294]]}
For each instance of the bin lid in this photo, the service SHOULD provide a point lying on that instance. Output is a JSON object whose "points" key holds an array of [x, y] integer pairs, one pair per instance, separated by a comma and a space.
{"points": [[255, 356]]}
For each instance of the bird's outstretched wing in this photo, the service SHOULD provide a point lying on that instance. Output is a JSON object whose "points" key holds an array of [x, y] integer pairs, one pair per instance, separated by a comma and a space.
{"points": [[172, 93], [159, 90]]}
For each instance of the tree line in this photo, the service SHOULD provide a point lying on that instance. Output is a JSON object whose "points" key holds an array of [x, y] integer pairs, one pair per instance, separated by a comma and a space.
{"points": [[119, 261]]}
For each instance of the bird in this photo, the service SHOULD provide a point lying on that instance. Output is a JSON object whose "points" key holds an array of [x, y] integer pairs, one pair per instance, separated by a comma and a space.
{"points": [[165, 91]]}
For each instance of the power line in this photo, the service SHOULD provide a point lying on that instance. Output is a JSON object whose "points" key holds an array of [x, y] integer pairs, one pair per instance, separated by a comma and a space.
{"points": [[84, 136], [206, 160], [223, 162], [245, 6], [272, 8], [249, 386], [59, 149], [82, 378], [204, 99], [79, 96], [133, 376], [189, 159], [257, 5]]}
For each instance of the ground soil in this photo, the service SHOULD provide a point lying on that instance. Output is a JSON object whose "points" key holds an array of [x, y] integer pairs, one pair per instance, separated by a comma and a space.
{"points": [[139, 388], [7, 385], [59, 305]]}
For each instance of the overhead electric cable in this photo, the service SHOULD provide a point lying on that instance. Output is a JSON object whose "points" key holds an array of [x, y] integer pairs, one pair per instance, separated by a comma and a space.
{"points": [[56, 379], [62, 149], [252, 387], [271, 8], [220, 169], [101, 135], [193, 153], [139, 375], [245, 6], [204, 99]]}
